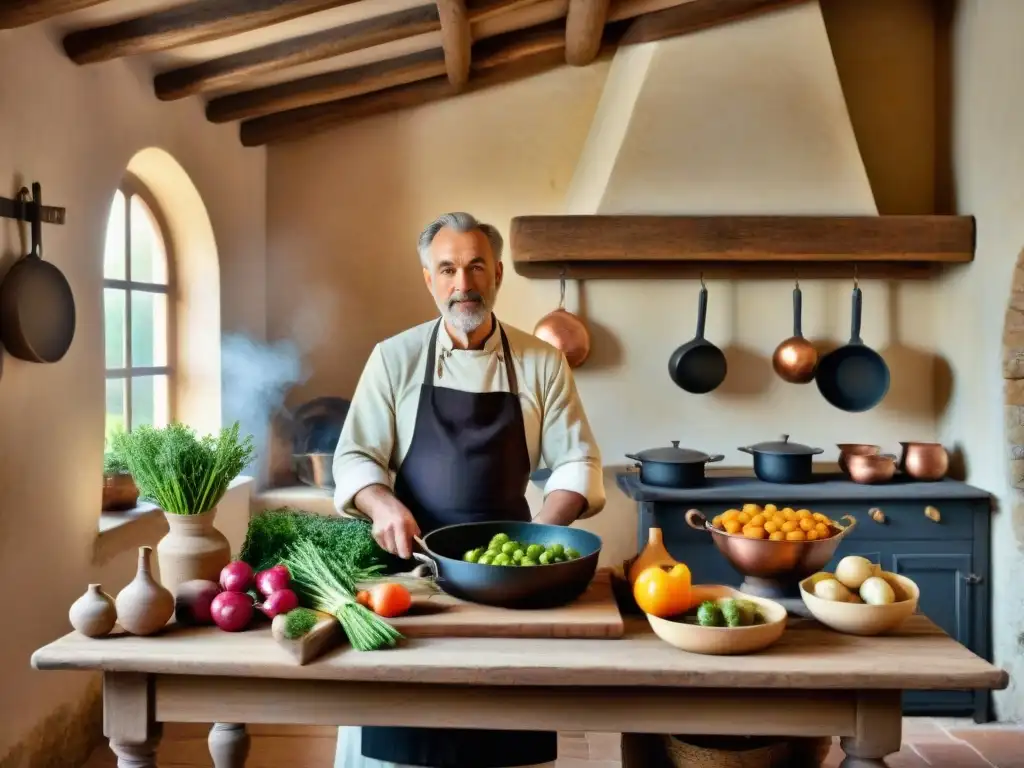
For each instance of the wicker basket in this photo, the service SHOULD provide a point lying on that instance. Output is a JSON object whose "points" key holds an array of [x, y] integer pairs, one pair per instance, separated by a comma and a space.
{"points": [[745, 752]]}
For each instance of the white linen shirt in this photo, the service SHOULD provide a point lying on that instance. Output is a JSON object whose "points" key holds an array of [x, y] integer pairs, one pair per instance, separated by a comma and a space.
{"points": [[379, 427]]}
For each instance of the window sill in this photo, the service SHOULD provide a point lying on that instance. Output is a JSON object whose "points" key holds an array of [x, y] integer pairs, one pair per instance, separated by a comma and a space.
{"points": [[145, 525]]}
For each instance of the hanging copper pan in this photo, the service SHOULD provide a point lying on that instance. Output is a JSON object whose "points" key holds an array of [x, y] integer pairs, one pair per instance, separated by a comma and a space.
{"points": [[795, 359], [565, 331]]}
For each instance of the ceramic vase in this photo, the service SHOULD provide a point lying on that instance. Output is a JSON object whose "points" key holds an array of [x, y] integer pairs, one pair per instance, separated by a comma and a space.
{"points": [[144, 606], [653, 554], [192, 549], [93, 614]]}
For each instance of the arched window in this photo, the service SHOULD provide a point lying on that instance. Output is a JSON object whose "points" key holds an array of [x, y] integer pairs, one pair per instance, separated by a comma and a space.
{"points": [[137, 317]]}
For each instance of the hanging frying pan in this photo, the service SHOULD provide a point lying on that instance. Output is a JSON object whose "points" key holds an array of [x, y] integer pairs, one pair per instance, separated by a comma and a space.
{"points": [[853, 378], [698, 366], [37, 308]]}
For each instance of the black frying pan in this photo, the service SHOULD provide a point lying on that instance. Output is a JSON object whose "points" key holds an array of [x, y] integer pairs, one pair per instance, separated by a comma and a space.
{"points": [[853, 378], [698, 366], [540, 586], [37, 308]]}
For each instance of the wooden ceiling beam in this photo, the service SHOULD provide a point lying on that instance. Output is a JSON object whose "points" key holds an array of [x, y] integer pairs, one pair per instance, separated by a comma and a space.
{"points": [[230, 71], [195, 22], [488, 19], [519, 56], [21, 13], [332, 86], [456, 40], [694, 15], [584, 26]]}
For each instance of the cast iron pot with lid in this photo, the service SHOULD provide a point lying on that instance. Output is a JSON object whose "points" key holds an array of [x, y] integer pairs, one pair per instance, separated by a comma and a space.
{"points": [[673, 467], [780, 461]]}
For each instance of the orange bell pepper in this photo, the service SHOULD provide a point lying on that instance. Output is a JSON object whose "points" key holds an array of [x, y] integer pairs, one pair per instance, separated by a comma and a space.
{"points": [[661, 592]]}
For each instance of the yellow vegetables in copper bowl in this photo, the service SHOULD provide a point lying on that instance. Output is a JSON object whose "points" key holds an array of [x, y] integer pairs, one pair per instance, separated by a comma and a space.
{"points": [[860, 598], [707, 619]]}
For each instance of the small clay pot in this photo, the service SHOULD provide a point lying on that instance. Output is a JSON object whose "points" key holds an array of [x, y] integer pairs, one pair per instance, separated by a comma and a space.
{"points": [[119, 493], [93, 614], [144, 606]]}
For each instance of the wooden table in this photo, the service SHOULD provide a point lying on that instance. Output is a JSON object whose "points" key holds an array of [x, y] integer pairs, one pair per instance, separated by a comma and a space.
{"points": [[813, 682]]}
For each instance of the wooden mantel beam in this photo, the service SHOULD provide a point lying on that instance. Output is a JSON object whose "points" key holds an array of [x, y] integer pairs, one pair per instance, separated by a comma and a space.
{"points": [[456, 39], [195, 22], [21, 13], [584, 26], [229, 71]]}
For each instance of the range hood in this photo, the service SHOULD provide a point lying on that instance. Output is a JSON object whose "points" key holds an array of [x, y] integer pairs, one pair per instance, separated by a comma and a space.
{"points": [[730, 144]]}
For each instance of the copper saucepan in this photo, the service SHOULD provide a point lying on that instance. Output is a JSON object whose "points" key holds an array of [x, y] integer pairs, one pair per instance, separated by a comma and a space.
{"points": [[795, 359], [565, 331]]}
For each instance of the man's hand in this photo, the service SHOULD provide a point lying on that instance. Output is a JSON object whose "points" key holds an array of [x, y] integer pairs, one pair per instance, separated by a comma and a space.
{"points": [[393, 524]]}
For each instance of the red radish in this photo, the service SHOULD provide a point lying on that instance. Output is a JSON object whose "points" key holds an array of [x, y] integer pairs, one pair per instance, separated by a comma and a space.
{"points": [[192, 601], [281, 601], [236, 576], [232, 611], [273, 579]]}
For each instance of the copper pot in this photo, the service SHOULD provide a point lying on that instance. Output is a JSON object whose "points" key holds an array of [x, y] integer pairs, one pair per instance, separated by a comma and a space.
{"points": [[766, 559], [855, 449], [566, 332], [924, 461], [795, 359], [871, 468]]}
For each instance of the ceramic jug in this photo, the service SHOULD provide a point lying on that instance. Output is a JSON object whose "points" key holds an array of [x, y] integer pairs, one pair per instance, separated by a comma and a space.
{"points": [[93, 614], [192, 549], [144, 606]]}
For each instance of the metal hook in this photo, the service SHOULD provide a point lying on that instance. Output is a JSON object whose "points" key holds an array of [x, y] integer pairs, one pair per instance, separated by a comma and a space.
{"points": [[796, 277], [702, 285], [561, 289], [855, 283]]}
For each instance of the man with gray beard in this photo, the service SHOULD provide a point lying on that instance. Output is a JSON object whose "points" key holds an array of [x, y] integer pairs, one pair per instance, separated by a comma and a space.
{"points": [[447, 424]]}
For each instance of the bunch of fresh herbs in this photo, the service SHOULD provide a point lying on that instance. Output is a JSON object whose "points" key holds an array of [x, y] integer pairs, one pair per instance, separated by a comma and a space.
{"points": [[114, 464], [346, 540], [180, 472], [328, 585]]}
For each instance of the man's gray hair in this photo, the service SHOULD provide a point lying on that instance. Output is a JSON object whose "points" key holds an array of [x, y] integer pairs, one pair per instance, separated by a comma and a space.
{"points": [[460, 222]]}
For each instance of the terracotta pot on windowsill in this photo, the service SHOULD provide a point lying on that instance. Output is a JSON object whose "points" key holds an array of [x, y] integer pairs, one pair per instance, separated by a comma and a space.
{"points": [[119, 493]]}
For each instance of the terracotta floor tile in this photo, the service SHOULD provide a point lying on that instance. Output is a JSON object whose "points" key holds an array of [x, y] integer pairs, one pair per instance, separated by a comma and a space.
{"points": [[917, 729], [1003, 747], [952, 755]]}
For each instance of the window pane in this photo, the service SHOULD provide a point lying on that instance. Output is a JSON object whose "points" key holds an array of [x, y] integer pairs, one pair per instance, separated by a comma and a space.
{"points": [[114, 300], [149, 329], [115, 409], [149, 260], [150, 401], [113, 253]]}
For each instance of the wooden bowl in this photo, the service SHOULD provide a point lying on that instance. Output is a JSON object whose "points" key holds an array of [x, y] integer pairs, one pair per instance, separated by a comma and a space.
{"points": [[723, 641], [859, 618]]}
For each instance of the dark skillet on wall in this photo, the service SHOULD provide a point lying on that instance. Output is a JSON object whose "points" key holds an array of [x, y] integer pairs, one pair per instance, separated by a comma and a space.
{"points": [[698, 366], [37, 308]]}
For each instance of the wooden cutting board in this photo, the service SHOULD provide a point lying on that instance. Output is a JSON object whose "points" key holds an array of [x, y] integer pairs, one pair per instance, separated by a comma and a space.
{"points": [[595, 615]]}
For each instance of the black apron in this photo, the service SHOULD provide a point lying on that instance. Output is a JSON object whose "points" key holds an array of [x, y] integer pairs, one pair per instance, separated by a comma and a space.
{"points": [[467, 462]]}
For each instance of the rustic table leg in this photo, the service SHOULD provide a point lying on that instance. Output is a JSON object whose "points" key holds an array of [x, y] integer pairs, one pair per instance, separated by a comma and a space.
{"points": [[229, 745], [128, 720], [879, 730]]}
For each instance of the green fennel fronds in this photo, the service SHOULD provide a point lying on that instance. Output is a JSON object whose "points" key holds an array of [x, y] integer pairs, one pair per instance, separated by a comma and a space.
{"points": [[179, 472], [328, 586]]}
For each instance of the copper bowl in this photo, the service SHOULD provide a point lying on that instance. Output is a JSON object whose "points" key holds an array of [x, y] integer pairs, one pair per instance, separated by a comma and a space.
{"points": [[566, 332], [871, 468], [766, 559], [924, 461], [855, 449]]}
